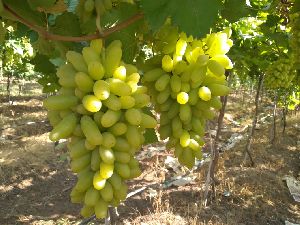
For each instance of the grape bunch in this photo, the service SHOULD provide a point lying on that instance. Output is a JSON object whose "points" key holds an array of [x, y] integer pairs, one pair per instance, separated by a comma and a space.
{"points": [[187, 86], [280, 74], [99, 108]]}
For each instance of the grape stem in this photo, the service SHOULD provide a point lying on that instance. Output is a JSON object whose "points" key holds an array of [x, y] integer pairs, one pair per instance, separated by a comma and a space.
{"points": [[50, 36]]}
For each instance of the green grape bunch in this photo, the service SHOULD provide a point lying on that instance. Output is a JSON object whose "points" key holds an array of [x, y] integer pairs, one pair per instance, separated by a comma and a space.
{"points": [[99, 109], [187, 87], [280, 74]]}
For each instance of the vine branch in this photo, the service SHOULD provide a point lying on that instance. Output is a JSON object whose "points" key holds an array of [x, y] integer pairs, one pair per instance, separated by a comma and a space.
{"points": [[50, 36]]}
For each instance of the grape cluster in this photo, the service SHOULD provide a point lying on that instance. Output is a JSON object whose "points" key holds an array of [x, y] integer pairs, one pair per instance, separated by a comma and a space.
{"points": [[99, 108], [187, 86], [280, 74]]}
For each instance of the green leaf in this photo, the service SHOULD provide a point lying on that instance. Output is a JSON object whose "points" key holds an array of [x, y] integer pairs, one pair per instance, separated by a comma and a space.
{"points": [[127, 35], [43, 65], [22, 8], [35, 4], [150, 136], [194, 17], [235, 10], [67, 24]]}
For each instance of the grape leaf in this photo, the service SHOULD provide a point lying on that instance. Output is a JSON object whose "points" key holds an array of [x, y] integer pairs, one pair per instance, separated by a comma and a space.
{"points": [[150, 136], [35, 4], [67, 24], [23, 9], [236, 9], [194, 17], [43, 65], [127, 35]]}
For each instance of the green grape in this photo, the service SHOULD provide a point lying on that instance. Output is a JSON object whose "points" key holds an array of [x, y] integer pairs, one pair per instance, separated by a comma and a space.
{"points": [[167, 63], [185, 139], [119, 128], [88, 145], [132, 136], [162, 82], [182, 98], [101, 89], [78, 149], [187, 158], [91, 103], [109, 140], [107, 155], [127, 102], [97, 44], [84, 82], [119, 87], [148, 121], [96, 70], [133, 77], [90, 130], [219, 89], [163, 96], [95, 160], [181, 47], [110, 118], [185, 112], [133, 116], [204, 93], [64, 128], [113, 57], [92, 196], [107, 193], [60, 102], [123, 170], [80, 163], [121, 194], [175, 83], [122, 145], [106, 170], [141, 100], [98, 181], [122, 157], [120, 73], [53, 117], [89, 55], [77, 61], [101, 209], [153, 75], [113, 103], [116, 181], [84, 181]]}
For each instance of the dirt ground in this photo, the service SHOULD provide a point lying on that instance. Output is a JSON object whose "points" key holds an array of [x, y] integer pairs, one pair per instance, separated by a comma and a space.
{"points": [[35, 179]]}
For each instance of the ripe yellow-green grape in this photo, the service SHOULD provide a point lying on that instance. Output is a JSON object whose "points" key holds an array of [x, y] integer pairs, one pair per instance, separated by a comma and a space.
{"points": [[91, 103], [113, 57], [77, 61], [98, 181], [113, 103], [101, 209], [119, 87], [89, 55], [182, 98], [107, 155], [120, 128], [109, 140], [80, 163], [204, 93], [96, 70], [78, 149], [90, 130], [60, 102], [64, 128], [133, 116], [120, 73], [110, 118], [84, 82], [167, 63], [219, 89], [106, 170], [53, 117]]}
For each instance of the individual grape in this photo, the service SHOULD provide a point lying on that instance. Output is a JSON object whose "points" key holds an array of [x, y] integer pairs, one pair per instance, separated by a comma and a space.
{"points": [[133, 116], [107, 155], [167, 63], [64, 128], [219, 89], [107, 193], [106, 170], [101, 209], [113, 103], [60, 102], [127, 102], [119, 87], [84, 82], [110, 118], [77, 61], [96, 70], [182, 98], [119, 128], [90, 130], [91, 103], [109, 140], [101, 89], [120, 73], [113, 57], [92, 196], [204, 93]]}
